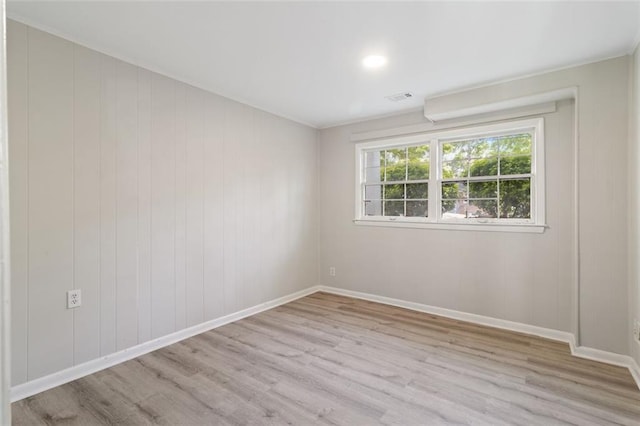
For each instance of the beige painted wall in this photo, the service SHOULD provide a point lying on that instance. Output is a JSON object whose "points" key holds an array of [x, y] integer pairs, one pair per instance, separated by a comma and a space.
{"points": [[519, 277], [167, 205], [634, 200]]}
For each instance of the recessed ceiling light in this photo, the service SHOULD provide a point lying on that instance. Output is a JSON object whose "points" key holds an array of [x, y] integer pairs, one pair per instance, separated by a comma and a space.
{"points": [[374, 61]]}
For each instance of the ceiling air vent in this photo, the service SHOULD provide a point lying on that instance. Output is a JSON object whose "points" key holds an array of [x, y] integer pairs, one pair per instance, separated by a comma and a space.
{"points": [[399, 96]]}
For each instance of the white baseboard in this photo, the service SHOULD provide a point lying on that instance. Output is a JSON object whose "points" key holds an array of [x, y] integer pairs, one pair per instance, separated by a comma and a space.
{"points": [[72, 373], [603, 356], [562, 336], [458, 315]]}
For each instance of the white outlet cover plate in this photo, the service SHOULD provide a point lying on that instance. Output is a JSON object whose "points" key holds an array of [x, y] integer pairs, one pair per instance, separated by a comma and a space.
{"points": [[74, 298]]}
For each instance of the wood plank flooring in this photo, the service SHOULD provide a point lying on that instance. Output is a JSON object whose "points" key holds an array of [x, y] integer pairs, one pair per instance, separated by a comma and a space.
{"points": [[327, 359]]}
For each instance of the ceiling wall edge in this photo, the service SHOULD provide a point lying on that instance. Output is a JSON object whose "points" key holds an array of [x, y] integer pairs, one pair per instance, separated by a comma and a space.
{"points": [[148, 67]]}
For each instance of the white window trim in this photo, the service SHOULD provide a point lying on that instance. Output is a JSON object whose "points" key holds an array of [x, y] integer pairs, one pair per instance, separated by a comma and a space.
{"points": [[435, 221]]}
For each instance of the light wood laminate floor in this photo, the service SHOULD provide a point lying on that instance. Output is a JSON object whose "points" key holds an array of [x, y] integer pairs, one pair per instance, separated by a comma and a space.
{"points": [[327, 359]]}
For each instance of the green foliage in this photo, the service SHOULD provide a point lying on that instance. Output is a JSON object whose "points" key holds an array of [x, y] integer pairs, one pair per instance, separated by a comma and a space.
{"points": [[417, 190], [515, 198], [453, 190], [483, 157], [508, 166], [402, 164], [394, 192], [506, 155]]}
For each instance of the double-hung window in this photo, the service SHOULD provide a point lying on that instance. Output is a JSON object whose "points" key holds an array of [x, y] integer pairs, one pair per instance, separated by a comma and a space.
{"points": [[488, 178]]}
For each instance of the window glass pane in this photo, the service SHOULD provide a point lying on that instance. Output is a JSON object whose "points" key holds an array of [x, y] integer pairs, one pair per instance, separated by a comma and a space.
{"points": [[396, 173], [484, 148], [483, 189], [515, 144], [394, 191], [417, 208], [455, 169], [484, 167], [396, 164], [373, 192], [515, 198], [395, 156], [453, 209], [418, 190], [454, 190], [418, 158], [482, 209], [373, 207], [455, 150], [515, 165], [394, 208]]}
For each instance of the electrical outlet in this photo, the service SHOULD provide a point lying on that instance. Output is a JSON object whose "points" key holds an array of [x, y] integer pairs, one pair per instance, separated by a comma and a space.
{"points": [[332, 271], [636, 330], [74, 298]]}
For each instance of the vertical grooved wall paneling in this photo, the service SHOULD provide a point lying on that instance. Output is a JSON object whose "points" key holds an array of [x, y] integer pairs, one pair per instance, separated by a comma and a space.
{"points": [[108, 205], [215, 162], [233, 184], [126, 205], [17, 66], [86, 201], [144, 205], [194, 205], [163, 205], [180, 226], [157, 199], [50, 198]]}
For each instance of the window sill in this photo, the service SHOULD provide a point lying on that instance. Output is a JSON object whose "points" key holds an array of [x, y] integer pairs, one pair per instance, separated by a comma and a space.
{"points": [[483, 227]]}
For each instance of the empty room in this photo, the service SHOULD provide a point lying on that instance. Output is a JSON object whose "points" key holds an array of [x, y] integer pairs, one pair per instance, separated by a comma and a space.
{"points": [[309, 213]]}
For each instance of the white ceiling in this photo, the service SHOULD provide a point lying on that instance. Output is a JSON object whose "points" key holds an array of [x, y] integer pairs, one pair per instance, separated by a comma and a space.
{"points": [[302, 60]]}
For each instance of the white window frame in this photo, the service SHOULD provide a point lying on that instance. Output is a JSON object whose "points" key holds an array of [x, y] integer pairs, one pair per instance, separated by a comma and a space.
{"points": [[537, 222]]}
